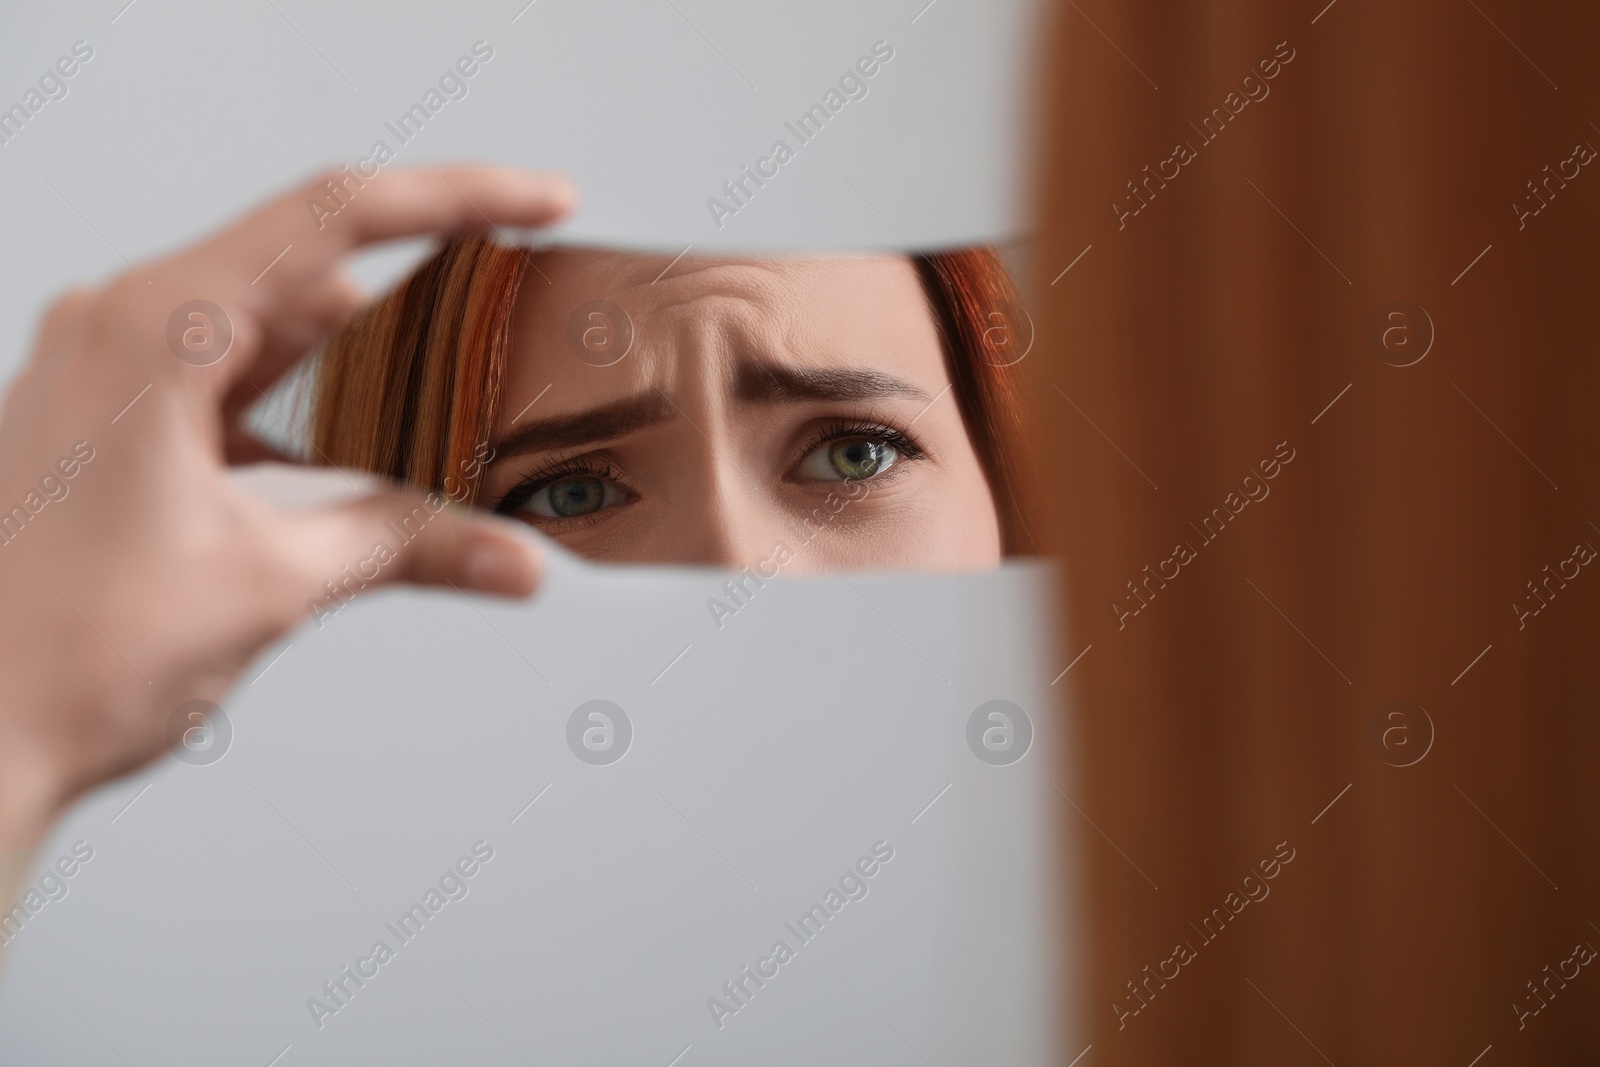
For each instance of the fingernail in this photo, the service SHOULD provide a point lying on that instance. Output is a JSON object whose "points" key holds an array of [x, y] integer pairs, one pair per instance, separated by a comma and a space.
{"points": [[499, 567]]}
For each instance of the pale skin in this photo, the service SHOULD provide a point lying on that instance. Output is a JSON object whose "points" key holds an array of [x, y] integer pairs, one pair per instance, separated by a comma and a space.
{"points": [[749, 392], [156, 580]]}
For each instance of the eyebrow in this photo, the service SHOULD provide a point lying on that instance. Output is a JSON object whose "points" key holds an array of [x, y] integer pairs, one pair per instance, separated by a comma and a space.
{"points": [[586, 427], [754, 383], [769, 383]]}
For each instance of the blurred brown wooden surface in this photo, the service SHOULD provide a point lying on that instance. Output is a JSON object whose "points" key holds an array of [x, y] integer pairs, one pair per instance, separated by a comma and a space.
{"points": [[1224, 717]]}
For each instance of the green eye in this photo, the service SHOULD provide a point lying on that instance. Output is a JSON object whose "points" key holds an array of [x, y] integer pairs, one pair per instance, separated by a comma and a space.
{"points": [[573, 497], [860, 458], [849, 459], [577, 496]]}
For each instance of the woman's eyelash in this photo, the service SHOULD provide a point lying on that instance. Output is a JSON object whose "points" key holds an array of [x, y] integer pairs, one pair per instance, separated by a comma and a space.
{"points": [[599, 467], [582, 467], [900, 441]]}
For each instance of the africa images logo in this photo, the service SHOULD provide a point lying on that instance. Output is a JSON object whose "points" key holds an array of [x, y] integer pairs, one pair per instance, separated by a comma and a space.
{"points": [[852, 886], [852, 86], [452, 885]]}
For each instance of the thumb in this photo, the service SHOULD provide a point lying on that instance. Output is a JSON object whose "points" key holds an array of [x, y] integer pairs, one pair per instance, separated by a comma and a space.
{"points": [[399, 536]]}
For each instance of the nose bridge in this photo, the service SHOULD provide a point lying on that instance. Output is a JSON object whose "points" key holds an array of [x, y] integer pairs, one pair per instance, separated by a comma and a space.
{"points": [[719, 515], [689, 355], [729, 522], [725, 513]]}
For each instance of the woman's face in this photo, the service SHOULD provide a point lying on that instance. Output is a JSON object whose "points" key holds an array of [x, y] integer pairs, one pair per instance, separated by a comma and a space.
{"points": [[727, 412]]}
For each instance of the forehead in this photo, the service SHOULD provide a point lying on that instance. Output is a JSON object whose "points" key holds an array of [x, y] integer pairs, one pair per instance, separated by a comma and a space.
{"points": [[857, 311], [649, 282]]}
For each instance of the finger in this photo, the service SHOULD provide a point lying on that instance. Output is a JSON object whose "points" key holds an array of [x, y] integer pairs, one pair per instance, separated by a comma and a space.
{"points": [[65, 321], [324, 310], [281, 264], [396, 536], [321, 225], [295, 487], [446, 199]]}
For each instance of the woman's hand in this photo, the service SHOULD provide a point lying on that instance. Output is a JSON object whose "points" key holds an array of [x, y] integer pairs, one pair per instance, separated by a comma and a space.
{"points": [[135, 576]]}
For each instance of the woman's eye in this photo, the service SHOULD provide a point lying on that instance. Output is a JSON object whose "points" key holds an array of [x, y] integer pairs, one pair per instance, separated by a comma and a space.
{"points": [[573, 497], [849, 458]]}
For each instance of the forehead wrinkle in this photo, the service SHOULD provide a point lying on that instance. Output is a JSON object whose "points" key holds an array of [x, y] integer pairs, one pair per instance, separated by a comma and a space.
{"points": [[749, 334], [730, 311], [738, 282], [722, 319], [692, 265], [612, 274]]}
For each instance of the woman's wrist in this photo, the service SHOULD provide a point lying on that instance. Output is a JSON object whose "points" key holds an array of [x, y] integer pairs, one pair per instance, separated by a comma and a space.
{"points": [[31, 777], [28, 807], [13, 865]]}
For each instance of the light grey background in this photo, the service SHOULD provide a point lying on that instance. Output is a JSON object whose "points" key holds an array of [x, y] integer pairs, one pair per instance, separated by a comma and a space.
{"points": [[768, 755], [824, 717], [190, 111]]}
